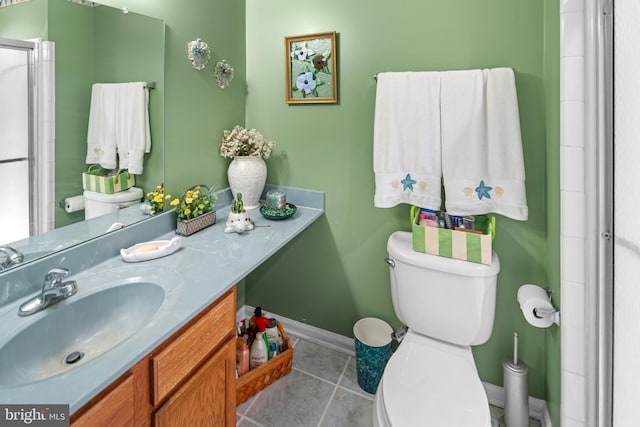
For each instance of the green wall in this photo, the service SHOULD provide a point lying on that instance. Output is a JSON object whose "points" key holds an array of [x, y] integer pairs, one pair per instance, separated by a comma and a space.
{"points": [[74, 77], [334, 274], [24, 21]]}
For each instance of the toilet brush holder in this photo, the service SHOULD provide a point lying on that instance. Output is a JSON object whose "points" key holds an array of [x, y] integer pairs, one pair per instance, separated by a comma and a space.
{"points": [[516, 395]]}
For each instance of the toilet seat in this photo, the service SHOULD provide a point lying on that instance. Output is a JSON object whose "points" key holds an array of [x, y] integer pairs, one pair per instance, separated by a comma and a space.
{"points": [[431, 383]]}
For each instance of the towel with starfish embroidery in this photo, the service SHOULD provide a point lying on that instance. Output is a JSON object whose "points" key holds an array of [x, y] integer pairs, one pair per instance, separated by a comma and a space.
{"points": [[482, 160], [406, 145]]}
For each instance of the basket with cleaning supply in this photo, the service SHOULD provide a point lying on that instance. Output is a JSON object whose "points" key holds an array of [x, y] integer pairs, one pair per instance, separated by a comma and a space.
{"points": [[267, 371], [108, 181], [468, 238]]}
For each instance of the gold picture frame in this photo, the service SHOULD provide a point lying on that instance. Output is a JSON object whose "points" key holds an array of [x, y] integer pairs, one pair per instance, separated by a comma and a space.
{"points": [[311, 73]]}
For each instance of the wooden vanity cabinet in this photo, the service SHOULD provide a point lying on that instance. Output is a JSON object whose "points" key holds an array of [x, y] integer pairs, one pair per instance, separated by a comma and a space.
{"points": [[187, 380]]}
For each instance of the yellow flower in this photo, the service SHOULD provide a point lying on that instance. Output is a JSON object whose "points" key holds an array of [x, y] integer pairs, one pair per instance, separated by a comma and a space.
{"points": [[174, 202], [159, 188], [158, 198], [189, 200], [189, 193], [167, 197], [201, 206], [187, 211]]}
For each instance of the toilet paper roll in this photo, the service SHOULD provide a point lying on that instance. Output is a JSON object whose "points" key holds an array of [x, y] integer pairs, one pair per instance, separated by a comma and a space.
{"points": [[533, 298], [74, 204]]}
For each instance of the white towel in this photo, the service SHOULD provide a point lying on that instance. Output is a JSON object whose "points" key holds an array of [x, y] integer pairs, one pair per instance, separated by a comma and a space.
{"points": [[119, 123], [406, 152], [482, 161], [101, 139], [132, 132]]}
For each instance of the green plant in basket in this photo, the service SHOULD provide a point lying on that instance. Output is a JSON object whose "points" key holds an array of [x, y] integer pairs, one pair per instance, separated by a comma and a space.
{"points": [[195, 202], [156, 199]]}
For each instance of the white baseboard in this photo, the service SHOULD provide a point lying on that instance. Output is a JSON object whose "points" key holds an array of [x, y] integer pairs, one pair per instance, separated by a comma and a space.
{"points": [[537, 407], [495, 394]]}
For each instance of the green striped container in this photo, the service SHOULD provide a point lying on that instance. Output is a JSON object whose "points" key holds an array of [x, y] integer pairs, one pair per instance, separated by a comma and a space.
{"points": [[107, 184], [461, 245]]}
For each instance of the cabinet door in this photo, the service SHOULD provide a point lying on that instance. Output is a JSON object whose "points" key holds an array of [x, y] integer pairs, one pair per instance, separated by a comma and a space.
{"points": [[191, 346], [207, 398], [114, 409]]}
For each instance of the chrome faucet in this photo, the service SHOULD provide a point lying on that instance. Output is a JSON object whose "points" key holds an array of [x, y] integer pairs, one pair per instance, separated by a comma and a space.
{"points": [[53, 290], [12, 257]]}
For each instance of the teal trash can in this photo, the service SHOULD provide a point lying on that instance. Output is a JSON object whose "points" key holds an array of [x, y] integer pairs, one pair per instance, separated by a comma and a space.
{"points": [[373, 349]]}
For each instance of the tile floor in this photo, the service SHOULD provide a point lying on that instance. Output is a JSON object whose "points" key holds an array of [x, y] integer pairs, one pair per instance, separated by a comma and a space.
{"points": [[321, 391]]}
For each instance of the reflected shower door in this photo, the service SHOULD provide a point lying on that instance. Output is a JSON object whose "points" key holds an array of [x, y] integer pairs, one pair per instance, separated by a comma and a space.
{"points": [[15, 143]]}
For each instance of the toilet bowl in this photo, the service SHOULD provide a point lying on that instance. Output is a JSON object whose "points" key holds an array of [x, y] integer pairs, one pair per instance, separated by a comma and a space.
{"points": [[96, 204], [448, 305], [431, 383]]}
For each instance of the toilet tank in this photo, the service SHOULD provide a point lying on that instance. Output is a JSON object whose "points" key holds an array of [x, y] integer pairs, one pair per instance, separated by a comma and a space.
{"points": [[96, 204], [443, 298]]}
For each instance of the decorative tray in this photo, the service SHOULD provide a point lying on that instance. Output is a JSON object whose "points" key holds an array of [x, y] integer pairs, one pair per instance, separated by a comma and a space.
{"points": [[150, 250], [289, 210]]}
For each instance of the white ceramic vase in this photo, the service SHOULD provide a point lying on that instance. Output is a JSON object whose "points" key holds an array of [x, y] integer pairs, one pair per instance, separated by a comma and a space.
{"points": [[247, 175]]}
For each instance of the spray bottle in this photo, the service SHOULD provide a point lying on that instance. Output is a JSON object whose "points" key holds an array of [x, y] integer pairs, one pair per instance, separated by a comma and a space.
{"points": [[259, 349]]}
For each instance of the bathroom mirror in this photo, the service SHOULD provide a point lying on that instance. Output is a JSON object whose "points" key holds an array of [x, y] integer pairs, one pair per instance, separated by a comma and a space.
{"points": [[93, 44]]}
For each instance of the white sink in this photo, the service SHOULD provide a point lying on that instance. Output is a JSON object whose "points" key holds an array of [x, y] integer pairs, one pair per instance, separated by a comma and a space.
{"points": [[78, 330]]}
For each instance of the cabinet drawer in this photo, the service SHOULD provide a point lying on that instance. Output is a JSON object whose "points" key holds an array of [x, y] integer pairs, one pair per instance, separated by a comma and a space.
{"points": [[181, 356]]}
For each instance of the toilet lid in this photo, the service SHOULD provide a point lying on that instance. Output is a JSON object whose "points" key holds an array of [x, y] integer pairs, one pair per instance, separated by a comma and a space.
{"points": [[430, 383]]}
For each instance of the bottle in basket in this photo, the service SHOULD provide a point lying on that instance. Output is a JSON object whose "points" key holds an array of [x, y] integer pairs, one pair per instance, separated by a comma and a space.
{"points": [[259, 352]]}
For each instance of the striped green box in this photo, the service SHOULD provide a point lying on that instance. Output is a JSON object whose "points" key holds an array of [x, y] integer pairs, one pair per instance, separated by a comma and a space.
{"points": [[108, 184], [461, 245]]}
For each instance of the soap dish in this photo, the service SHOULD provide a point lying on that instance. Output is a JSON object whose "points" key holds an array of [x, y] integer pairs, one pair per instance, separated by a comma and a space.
{"points": [[276, 214], [150, 250]]}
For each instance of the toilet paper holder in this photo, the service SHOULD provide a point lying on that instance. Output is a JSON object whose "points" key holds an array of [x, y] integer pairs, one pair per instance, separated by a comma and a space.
{"points": [[545, 310], [542, 312]]}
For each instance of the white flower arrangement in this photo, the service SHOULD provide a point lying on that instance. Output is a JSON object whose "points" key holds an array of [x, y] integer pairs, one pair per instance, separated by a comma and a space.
{"points": [[242, 142]]}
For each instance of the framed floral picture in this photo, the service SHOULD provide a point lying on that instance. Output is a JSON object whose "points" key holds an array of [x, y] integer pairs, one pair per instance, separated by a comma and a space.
{"points": [[311, 75]]}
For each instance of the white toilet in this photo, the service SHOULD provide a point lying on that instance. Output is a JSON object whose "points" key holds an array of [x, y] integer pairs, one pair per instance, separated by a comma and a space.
{"points": [[448, 305], [96, 204]]}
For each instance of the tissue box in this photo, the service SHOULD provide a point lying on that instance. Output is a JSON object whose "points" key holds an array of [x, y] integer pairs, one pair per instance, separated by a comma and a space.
{"points": [[100, 182], [462, 245]]}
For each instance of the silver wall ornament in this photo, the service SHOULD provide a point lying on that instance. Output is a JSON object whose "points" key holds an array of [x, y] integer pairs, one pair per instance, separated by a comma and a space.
{"points": [[224, 74], [199, 53]]}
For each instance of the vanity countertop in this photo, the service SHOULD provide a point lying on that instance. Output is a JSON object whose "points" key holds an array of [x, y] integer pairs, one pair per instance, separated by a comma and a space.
{"points": [[207, 264]]}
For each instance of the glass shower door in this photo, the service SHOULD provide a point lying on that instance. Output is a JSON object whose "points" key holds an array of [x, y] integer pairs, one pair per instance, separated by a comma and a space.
{"points": [[626, 301], [15, 137]]}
